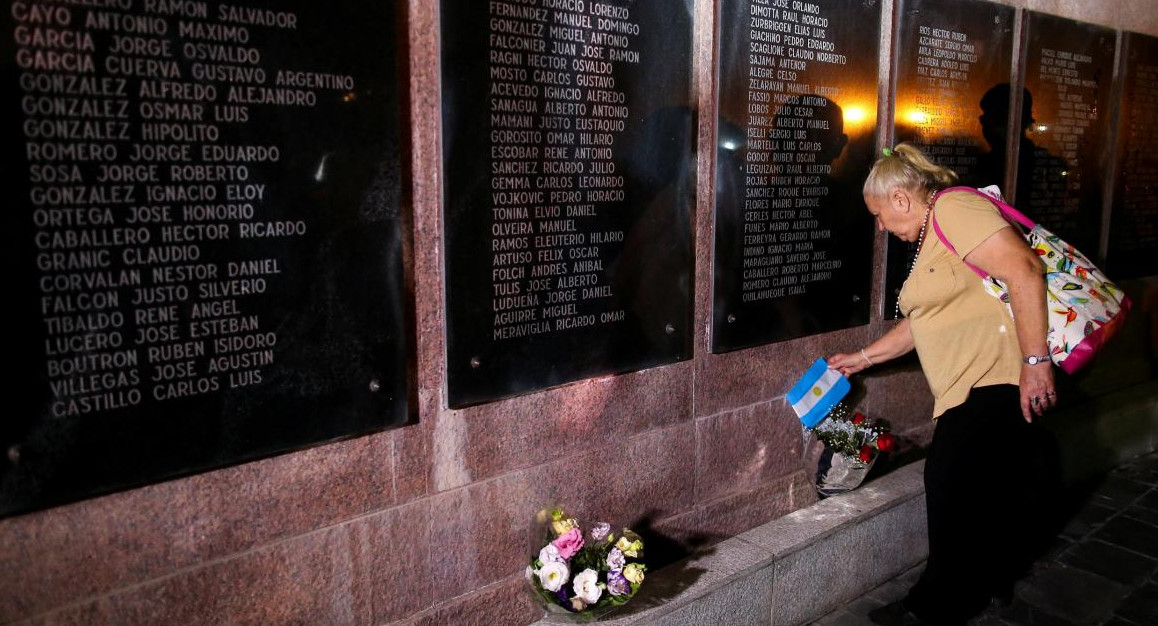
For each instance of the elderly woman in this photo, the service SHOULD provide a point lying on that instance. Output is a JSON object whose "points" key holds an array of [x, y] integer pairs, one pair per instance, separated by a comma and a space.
{"points": [[990, 375]]}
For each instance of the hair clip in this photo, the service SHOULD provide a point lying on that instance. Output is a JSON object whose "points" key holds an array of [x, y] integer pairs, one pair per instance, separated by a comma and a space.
{"points": [[888, 152]]}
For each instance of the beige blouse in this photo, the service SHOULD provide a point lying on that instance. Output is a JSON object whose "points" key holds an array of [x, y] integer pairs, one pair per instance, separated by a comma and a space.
{"points": [[964, 337]]}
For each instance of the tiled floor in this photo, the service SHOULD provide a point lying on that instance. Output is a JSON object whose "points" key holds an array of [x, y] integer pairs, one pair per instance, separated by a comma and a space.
{"points": [[1102, 570]]}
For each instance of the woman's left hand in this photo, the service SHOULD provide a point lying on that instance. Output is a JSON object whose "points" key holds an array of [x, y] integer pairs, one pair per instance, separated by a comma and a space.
{"points": [[1038, 393]]}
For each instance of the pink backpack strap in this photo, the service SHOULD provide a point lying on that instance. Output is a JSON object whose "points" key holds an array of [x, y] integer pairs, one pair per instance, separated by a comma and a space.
{"points": [[1008, 212]]}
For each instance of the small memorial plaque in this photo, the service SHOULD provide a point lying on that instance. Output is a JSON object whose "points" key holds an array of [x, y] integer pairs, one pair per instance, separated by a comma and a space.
{"points": [[568, 176], [1065, 149], [953, 94], [798, 111], [205, 235], [1134, 218]]}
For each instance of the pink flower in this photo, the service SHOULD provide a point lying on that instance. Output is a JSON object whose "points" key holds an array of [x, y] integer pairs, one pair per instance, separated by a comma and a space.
{"points": [[569, 543]]}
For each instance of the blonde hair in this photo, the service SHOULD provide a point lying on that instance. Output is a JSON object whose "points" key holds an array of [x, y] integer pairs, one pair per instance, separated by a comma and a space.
{"points": [[905, 166]]}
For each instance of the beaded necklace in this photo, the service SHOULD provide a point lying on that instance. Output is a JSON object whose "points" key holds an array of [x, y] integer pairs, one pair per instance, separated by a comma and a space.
{"points": [[920, 244]]}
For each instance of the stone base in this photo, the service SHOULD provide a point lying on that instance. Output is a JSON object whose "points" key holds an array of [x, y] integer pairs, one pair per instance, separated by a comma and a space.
{"points": [[796, 568]]}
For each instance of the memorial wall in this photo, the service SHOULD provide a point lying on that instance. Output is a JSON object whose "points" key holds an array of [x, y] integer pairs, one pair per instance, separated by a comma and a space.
{"points": [[954, 66], [1133, 235], [1066, 139], [493, 255], [568, 149], [796, 135], [210, 222], [204, 235]]}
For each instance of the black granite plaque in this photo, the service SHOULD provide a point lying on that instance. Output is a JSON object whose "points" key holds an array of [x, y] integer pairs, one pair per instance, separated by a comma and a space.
{"points": [[954, 63], [203, 228], [1134, 218], [1065, 147], [797, 106], [568, 137]]}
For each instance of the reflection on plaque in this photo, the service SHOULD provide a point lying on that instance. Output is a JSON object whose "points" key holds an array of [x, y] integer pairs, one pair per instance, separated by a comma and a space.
{"points": [[1064, 151], [568, 136], [953, 97], [798, 95], [1134, 219], [204, 234]]}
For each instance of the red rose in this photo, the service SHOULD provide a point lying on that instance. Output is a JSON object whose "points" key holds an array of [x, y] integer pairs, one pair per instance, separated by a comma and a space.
{"points": [[886, 442], [858, 418], [866, 454]]}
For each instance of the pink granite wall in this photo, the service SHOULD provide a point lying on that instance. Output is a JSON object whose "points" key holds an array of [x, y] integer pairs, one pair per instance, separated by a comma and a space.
{"points": [[428, 524]]}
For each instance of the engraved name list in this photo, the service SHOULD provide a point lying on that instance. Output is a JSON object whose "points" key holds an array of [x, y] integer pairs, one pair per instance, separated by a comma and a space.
{"points": [[143, 201]]}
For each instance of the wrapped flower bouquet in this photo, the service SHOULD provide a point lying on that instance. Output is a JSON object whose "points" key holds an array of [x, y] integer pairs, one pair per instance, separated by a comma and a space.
{"points": [[851, 443], [585, 572]]}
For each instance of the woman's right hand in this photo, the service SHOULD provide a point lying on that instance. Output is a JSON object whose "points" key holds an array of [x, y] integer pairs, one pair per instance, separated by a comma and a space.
{"points": [[847, 364], [898, 341]]}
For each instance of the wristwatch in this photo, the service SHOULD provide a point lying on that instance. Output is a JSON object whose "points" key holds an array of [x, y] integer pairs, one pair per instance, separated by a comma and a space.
{"points": [[1033, 359]]}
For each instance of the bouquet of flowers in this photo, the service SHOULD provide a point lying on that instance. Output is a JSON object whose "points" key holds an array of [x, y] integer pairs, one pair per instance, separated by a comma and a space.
{"points": [[585, 572], [850, 447], [856, 437]]}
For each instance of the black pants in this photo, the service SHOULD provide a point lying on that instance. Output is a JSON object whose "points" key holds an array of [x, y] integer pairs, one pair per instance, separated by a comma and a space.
{"points": [[988, 482]]}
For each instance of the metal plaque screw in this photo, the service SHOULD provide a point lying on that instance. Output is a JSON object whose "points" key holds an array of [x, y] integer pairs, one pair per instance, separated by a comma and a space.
{"points": [[475, 362], [375, 386], [731, 318], [669, 329], [14, 454], [855, 298]]}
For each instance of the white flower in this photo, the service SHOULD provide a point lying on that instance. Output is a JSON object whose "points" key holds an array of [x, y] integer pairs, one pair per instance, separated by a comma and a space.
{"points": [[530, 573], [587, 586], [550, 554], [553, 575]]}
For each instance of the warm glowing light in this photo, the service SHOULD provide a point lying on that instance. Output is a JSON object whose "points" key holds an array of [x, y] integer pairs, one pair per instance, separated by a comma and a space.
{"points": [[730, 145], [916, 117], [855, 115], [1042, 128]]}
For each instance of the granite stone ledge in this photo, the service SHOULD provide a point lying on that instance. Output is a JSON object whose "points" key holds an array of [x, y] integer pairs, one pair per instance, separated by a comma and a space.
{"points": [[796, 568], [730, 571]]}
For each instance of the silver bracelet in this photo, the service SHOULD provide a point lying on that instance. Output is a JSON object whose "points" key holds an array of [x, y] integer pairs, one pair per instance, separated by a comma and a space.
{"points": [[865, 357]]}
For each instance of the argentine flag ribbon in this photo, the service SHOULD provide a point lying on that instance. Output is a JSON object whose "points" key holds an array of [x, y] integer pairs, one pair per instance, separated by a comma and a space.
{"points": [[817, 392]]}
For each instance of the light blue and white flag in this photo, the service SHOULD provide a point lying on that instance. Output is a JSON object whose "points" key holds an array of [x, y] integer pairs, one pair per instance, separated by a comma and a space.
{"points": [[817, 392]]}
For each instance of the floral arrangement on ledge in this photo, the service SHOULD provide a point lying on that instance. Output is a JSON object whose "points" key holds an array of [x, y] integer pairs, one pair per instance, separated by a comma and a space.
{"points": [[856, 437], [585, 573]]}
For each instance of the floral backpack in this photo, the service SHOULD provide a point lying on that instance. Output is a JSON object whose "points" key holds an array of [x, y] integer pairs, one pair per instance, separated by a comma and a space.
{"points": [[1085, 308]]}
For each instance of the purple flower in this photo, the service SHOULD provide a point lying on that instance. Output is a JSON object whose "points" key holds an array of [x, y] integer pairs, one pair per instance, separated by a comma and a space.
{"points": [[615, 559], [617, 585], [600, 531], [563, 596]]}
